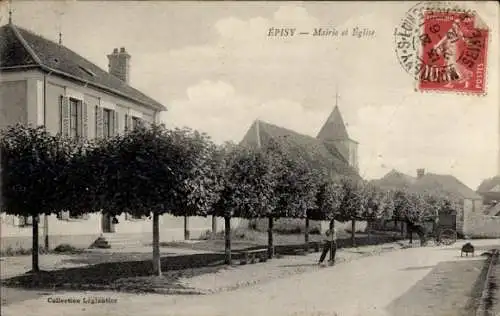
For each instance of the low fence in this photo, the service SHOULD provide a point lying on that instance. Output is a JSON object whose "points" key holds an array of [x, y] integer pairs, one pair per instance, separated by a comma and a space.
{"points": [[297, 225]]}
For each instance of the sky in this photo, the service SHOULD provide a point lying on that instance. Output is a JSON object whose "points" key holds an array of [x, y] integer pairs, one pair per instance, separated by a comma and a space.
{"points": [[214, 67]]}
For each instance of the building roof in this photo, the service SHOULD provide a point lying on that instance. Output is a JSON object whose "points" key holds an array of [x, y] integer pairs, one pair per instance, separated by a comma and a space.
{"points": [[429, 182], [446, 184], [334, 127], [23, 50], [320, 153], [394, 180], [490, 185], [493, 210]]}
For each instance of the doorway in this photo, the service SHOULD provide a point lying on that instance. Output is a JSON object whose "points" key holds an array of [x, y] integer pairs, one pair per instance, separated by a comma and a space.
{"points": [[107, 224]]}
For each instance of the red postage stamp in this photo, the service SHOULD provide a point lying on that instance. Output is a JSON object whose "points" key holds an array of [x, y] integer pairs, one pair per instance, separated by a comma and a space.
{"points": [[453, 53]]}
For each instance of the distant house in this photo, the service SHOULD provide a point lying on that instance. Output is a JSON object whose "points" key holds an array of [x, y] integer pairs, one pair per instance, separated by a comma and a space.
{"points": [[394, 180], [489, 189], [471, 220]]}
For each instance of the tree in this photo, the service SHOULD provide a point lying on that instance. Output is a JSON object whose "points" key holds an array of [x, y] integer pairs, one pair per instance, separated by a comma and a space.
{"points": [[153, 171], [295, 189], [328, 199], [373, 205], [32, 171], [247, 189], [351, 206]]}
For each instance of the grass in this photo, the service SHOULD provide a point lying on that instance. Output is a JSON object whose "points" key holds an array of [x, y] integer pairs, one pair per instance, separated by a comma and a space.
{"points": [[451, 288]]}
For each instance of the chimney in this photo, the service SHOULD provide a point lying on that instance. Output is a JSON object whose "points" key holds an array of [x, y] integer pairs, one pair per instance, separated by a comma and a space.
{"points": [[420, 173], [119, 64]]}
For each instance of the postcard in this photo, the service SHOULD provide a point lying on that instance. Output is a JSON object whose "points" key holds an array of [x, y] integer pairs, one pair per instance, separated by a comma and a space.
{"points": [[250, 158]]}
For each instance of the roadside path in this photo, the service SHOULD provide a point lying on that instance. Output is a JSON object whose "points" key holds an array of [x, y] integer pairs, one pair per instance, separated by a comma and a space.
{"points": [[362, 287]]}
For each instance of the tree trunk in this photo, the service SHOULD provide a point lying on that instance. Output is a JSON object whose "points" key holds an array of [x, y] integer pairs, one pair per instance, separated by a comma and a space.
{"points": [[186, 227], [369, 231], [270, 247], [353, 232], [46, 231], [227, 236], [156, 245], [214, 227], [35, 247], [331, 227], [306, 235], [402, 228]]}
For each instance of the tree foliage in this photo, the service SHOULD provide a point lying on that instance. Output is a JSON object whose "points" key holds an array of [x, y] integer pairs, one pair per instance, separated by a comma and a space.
{"points": [[328, 199], [33, 162], [248, 183], [296, 183]]}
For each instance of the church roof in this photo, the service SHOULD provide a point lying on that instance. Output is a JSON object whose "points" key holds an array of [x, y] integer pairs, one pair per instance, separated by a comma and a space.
{"points": [[334, 127], [313, 150], [21, 49]]}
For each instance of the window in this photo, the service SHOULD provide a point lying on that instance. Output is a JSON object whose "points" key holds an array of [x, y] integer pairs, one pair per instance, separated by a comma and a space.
{"points": [[107, 123], [135, 122], [96, 120], [25, 221], [75, 121], [67, 216], [131, 217]]}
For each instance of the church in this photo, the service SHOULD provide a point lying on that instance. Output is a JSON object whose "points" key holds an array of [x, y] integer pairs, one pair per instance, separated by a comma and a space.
{"points": [[332, 147]]}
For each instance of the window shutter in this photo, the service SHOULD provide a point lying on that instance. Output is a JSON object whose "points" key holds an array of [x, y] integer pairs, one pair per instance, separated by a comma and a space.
{"points": [[130, 122], [99, 122], [79, 117], [116, 122], [85, 120], [64, 116]]}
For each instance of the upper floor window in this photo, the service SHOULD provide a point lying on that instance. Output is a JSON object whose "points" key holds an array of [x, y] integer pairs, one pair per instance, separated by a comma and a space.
{"points": [[105, 122], [135, 122], [108, 122], [132, 122], [75, 124], [73, 117]]}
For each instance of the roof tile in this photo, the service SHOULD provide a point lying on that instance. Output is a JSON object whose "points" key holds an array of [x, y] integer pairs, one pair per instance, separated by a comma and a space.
{"points": [[17, 42]]}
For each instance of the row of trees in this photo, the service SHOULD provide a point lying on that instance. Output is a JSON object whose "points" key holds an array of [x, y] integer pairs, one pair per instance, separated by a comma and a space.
{"points": [[153, 171]]}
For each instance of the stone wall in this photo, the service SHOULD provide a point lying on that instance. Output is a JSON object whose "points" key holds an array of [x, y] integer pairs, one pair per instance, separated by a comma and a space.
{"points": [[322, 226], [81, 233], [483, 226]]}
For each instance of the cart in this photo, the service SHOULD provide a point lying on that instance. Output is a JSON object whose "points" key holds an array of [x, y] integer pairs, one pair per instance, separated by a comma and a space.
{"points": [[445, 228]]}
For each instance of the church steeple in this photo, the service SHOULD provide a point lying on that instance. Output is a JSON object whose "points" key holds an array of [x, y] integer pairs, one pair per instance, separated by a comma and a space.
{"points": [[334, 133], [334, 127]]}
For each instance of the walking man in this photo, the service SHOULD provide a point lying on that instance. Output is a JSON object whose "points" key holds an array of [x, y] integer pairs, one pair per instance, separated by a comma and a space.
{"points": [[330, 244]]}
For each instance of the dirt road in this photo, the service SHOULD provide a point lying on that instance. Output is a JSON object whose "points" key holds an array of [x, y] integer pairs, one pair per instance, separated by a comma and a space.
{"points": [[362, 287]]}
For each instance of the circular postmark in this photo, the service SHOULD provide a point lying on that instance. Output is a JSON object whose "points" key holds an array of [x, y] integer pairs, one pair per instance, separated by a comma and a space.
{"points": [[438, 42]]}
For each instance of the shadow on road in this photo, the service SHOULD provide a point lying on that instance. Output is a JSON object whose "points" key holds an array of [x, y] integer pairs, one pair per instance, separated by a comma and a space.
{"points": [[299, 265], [418, 268], [130, 276]]}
